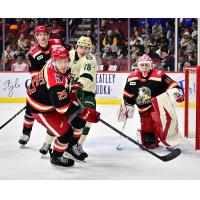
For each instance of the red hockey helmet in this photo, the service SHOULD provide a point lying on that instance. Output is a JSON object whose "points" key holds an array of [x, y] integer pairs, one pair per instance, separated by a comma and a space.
{"points": [[59, 53], [39, 29]]}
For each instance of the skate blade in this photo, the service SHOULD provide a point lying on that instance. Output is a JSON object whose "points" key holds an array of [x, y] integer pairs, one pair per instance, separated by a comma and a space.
{"points": [[118, 148], [68, 155], [45, 157], [23, 146]]}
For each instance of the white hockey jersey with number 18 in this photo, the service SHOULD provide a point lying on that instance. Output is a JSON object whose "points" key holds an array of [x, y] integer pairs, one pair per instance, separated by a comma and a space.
{"points": [[84, 70]]}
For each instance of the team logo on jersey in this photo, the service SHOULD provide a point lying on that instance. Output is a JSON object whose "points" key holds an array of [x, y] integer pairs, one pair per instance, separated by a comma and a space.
{"points": [[40, 57], [88, 57], [62, 95], [144, 96]]}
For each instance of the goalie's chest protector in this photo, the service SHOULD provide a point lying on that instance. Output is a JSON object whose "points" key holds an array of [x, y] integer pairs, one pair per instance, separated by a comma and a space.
{"points": [[144, 89]]}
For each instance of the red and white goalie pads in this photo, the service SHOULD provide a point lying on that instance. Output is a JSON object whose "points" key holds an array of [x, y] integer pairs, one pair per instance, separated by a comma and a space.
{"points": [[176, 95], [166, 120], [125, 111]]}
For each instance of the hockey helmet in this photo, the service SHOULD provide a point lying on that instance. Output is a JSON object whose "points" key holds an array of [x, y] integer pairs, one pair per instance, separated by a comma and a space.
{"points": [[39, 29], [59, 53], [84, 42], [145, 64]]}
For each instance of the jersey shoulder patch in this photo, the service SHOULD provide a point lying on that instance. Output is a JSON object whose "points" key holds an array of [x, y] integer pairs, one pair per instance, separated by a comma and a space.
{"points": [[35, 51], [89, 57]]}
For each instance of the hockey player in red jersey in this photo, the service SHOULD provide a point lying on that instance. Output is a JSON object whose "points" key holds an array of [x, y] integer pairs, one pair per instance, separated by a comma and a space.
{"points": [[38, 57], [142, 87], [56, 108]]}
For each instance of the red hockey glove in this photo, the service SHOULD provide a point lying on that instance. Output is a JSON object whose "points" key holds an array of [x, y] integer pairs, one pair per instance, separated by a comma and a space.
{"points": [[90, 115], [73, 93]]}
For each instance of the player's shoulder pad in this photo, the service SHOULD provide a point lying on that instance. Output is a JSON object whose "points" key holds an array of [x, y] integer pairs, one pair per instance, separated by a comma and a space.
{"points": [[35, 51], [156, 75], [72, 54], [133, 76], [55, 42], [52, 77]]}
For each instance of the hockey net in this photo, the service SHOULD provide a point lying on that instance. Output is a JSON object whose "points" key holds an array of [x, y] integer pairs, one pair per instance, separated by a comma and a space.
{"points": [[192, 105]]}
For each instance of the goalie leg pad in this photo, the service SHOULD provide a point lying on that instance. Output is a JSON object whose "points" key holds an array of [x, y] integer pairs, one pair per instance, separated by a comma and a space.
{"points": [[165, 119], [148, 135]]}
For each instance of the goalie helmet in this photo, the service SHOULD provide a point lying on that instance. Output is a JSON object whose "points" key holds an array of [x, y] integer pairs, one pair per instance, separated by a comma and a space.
{"points": [[59, 53], [145, 65], [39, 29], [84, 42]]}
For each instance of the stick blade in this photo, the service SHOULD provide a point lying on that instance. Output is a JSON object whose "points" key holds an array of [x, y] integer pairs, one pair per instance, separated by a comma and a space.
{"points": [[173, 154]]}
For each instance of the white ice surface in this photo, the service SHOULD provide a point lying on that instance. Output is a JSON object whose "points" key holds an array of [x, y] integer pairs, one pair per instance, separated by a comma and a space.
{"points": [[104, 161]]}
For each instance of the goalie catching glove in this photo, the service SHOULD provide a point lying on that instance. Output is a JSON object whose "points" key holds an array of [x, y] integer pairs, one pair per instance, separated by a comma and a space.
{"points": [[125, 111], [176, 95]]}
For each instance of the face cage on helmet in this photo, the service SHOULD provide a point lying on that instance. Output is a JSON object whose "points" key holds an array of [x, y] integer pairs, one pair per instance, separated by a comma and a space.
{"points": [[145, 69]]}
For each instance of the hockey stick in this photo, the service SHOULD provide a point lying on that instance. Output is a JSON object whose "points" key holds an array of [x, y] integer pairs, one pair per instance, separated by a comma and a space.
{"points": [[170, 156], [13, 117]]}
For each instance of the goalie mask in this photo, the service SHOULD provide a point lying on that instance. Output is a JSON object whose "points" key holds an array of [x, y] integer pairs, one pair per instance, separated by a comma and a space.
{"points": [[145, 65]]}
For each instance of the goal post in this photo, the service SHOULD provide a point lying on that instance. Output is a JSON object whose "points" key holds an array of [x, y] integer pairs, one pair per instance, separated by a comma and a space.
{"points": [[192, 104]]}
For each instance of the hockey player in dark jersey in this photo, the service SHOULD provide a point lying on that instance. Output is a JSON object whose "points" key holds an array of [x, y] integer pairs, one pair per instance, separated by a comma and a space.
{"points": [[38, 58], [141, 87], [56, 108]]}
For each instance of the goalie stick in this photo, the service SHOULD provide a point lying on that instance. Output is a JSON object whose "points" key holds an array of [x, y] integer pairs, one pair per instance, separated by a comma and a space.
{"points": [[13, 117], [119, 141], [170, 156]]}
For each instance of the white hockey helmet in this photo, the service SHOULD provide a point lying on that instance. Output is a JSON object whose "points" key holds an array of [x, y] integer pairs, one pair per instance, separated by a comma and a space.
{"points": [[145, 64], [84, 42]]}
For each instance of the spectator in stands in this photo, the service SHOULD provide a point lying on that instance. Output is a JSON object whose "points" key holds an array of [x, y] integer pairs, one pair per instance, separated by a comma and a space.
{"points": [[167, 29], [182, 63], [120, 36], [109, 38], [192, 57], [90, 35], [151, 42], [186, 40], [20, 65], [156, 30], [136, 52], [7, 57], [24, 27], [108, 53], [31, 30], [56, 31], [20, 41], [150, 51], [162, 41], [94, 51], [167, 60]]}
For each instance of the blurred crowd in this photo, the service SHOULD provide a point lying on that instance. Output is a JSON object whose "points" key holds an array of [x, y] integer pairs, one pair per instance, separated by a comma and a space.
{"points": [[114, 50]]}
